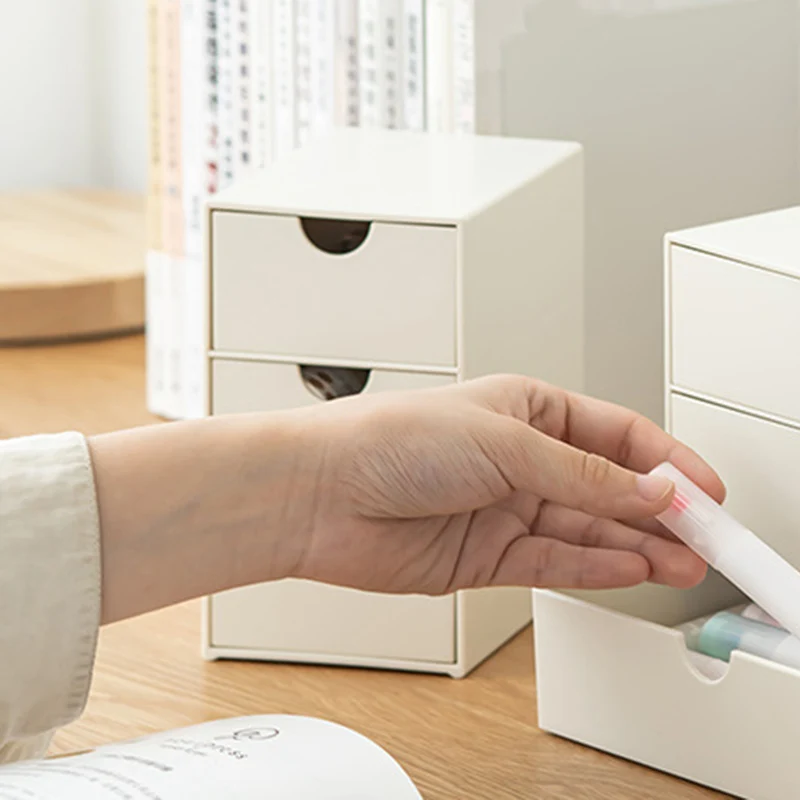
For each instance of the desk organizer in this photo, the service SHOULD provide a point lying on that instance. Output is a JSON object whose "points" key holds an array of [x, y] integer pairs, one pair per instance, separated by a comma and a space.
{"points": [[375, 261], [610, 672]]}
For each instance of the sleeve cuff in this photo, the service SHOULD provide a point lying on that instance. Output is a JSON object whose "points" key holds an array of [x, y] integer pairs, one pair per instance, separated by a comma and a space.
{"points": [[50, 582]]}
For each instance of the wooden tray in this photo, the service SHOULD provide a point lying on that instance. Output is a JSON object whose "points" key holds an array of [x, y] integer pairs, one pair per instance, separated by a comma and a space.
{"points": [[71, 265]]}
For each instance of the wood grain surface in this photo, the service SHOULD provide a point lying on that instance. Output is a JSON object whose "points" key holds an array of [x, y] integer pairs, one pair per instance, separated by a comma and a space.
{"points": [[459, 740], [71, 264]]}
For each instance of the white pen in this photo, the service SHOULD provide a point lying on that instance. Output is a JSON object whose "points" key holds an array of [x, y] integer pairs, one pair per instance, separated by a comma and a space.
{"points": [[733, 550]]}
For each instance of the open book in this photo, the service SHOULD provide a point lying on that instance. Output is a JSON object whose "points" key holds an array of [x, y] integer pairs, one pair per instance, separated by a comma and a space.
{"points": [[249, 758]]}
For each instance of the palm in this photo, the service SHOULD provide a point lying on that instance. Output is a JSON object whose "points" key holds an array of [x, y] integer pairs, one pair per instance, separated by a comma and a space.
{"points": [[418, 502]]}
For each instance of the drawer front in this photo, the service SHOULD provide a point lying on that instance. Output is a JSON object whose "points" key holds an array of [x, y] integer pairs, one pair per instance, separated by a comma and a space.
{"points": [[392, 300], [757, 461], [735, 332], [245, 386], [305, 618]]}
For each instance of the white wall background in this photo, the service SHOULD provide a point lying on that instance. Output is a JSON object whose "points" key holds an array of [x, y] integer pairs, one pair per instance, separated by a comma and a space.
{"points": [[73, 98], [689, 111]]}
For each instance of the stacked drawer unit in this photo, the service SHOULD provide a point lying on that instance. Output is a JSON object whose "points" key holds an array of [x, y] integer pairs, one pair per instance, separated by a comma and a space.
{"points": [[372, 261], [612, 673]]}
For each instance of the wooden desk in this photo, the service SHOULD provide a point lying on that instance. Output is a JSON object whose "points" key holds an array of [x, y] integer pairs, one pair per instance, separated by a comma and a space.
{"points": [[474, 739]]}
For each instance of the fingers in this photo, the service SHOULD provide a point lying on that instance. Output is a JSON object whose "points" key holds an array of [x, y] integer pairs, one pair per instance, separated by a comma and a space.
{"points": [[634, 441], [671, 563], [560, 473], [595, 426], [544, 563]]}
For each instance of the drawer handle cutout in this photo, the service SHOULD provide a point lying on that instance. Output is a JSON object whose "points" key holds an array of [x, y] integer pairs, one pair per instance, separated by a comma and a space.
{"points": [[335, 236], [330, 383]]}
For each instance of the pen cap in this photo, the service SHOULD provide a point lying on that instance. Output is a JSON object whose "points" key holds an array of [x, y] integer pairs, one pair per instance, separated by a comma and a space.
{"points": [[726, 632], [691, 631], [697, 520], [721, 635], [748, 562]]}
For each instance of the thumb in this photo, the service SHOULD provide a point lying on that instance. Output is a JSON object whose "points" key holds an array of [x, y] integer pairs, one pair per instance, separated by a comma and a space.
{"points": [[556, 471]]}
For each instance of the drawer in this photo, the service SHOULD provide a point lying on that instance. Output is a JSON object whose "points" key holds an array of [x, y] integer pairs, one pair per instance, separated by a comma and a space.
{"points": [[756, 458], [735, 331], [244, 386], [296, 617], [306, 619], [391, 300]]}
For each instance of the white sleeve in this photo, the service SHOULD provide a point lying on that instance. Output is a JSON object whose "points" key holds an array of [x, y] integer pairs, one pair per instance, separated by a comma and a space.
{"points": [[49, 588]]}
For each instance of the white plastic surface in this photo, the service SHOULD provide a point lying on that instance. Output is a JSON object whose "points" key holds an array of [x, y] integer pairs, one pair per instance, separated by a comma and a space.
{"points": [[630, 687], [391, 300], [770, 240], [733, 550], [399, 176], [732, 327], [248, 758]]}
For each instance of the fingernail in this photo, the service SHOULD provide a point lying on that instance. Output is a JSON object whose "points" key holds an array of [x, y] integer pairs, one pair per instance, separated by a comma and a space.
{"points": [[653, 487]]}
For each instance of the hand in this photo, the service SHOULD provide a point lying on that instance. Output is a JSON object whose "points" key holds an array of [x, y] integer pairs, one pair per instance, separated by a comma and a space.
{"points": [[499, 481]]}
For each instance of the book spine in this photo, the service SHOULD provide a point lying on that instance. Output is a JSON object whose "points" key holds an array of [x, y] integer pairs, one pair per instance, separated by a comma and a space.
{"points": [[227, 118], [369, 61], [192, 116], [413, 65], [193, 136], [302, 71], [323, 57], [439, 65], [211, 99], [346, 113], [260, 93], [464, 66], [174, 241], [283, 76], [155, 284], [390, 29], [242, 107]]}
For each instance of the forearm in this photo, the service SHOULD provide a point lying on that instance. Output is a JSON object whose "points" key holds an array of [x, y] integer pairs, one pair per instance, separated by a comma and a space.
{"points": [[194, 508]]}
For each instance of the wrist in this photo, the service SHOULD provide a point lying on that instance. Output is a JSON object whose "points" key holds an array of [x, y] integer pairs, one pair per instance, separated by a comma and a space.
{"points": [[266, 495], [195, 508]]}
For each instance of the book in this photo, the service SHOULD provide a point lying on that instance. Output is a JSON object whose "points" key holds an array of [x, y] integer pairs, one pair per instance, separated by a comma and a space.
{"points": [[389, 48], [192, 132], [155, 282], [173, 221], [302, 71], [227, 91], [283, 90], [369, 64], [439, 65], [464, 66], [323, 59], [198, 18], [210, 100], [244, 758], [261, 95], [242, 106], [412, 70], [346, 65]]}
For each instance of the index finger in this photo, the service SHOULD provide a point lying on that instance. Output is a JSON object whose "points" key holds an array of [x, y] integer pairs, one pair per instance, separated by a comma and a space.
{"points": [[634, 441]]}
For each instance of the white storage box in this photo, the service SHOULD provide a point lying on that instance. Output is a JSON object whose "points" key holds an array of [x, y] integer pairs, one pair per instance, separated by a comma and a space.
{"points": [[389, 260], [610, 672]]}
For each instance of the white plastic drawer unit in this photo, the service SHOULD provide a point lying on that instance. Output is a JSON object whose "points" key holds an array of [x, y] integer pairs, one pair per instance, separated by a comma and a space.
{"points": [[297, 620], [762, 483], [240, 387], [735, 330], [338, 289]]}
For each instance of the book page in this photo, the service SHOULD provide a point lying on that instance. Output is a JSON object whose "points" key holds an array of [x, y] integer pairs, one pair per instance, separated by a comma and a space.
{"points": [[248, 758]]}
